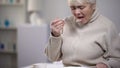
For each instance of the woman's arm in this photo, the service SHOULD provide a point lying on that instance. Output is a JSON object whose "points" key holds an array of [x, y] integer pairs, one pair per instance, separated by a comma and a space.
{"points": [[53, 49], [113, 45]]}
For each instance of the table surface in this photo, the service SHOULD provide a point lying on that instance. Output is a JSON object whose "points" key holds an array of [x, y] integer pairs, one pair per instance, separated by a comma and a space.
{"points": [[50, 65]]}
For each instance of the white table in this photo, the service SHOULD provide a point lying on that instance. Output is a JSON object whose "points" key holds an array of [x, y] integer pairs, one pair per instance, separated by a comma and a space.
{"points": [[44, 65], [50, 65]]}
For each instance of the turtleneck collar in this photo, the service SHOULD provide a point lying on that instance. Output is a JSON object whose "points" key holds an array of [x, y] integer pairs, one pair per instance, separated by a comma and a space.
{"points": [[94, 16]]}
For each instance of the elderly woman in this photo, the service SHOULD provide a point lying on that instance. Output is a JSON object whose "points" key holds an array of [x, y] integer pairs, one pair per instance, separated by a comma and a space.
{"points": [[85, 39]]}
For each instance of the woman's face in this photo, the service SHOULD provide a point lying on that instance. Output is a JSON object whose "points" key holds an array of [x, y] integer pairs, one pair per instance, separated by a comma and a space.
{"points": [[82, 12]]}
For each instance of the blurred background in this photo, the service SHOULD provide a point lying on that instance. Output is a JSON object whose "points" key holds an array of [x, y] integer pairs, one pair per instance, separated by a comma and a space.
{"points": [[24, 28]]}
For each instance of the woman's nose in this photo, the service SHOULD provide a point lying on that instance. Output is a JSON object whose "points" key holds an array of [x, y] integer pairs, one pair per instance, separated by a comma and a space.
{"points": [[78, 11]]}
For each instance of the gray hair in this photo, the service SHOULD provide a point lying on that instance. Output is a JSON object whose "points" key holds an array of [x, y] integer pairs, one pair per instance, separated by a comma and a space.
{"points": [[88, 1], [92, 1]]}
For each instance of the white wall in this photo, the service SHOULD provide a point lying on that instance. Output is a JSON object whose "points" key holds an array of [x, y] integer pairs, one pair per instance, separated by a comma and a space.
{"points": [[59, 8], [55, 8]]}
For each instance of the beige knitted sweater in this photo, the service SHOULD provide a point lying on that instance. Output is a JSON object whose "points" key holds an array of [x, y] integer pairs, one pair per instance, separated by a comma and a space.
{"points": [[96, 42]]}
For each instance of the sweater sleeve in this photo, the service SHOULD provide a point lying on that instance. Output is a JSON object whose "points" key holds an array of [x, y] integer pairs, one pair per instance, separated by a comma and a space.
{"points": [[113, 48], [53, 49]]}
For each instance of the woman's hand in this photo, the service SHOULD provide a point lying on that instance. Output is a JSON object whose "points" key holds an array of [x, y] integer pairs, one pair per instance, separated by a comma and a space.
{"points": [[56, 27], [101, 65]]}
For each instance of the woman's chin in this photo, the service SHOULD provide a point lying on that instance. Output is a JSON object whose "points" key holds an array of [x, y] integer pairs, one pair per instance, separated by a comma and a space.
{"points": [[80, 22]]}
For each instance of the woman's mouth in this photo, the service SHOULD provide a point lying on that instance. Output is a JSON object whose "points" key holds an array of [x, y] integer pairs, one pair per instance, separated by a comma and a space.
{"points": [[80, 19]]}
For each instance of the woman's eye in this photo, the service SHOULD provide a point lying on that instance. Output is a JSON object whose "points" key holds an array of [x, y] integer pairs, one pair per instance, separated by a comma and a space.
{"points": [[73, 8], [81, 7]]}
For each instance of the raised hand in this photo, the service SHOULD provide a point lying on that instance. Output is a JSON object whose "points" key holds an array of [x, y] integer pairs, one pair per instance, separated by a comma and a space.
{"points": [[56, 27]]}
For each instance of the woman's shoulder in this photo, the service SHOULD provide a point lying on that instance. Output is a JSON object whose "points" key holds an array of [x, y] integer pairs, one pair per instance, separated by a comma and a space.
{"points": [[110, 25], [106, 21]]}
